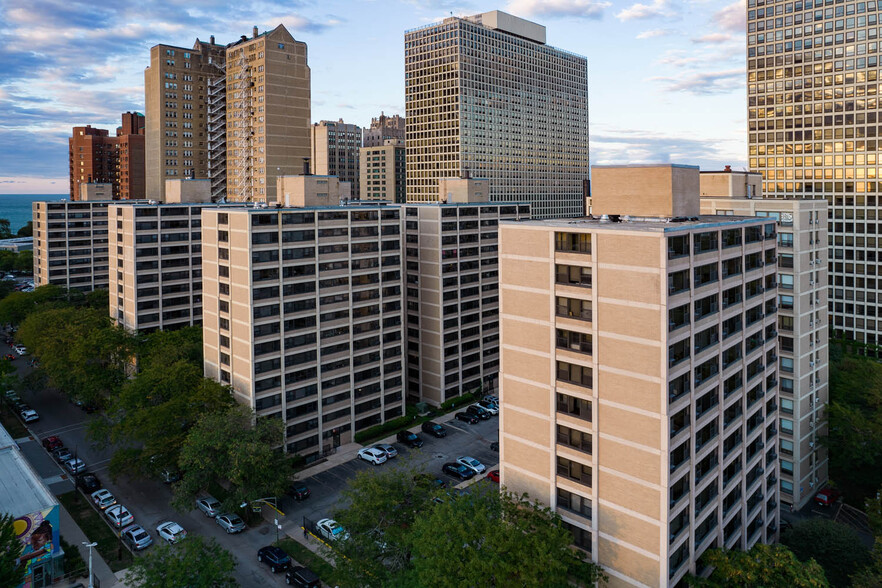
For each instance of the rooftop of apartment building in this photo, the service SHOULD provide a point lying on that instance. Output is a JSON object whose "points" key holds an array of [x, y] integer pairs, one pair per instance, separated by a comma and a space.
{"points": [[648, 224]]}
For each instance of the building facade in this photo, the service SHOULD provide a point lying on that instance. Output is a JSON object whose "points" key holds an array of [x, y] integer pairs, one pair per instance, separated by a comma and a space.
{"points": [[486, 96], [335, 150], [96, 157], [302, 316], [639, 378], [381, 172], [90, 156], [812, 114], [71, 244], [382, 129], [129, 157], [175, 92], [267, 113], [803, 364]]}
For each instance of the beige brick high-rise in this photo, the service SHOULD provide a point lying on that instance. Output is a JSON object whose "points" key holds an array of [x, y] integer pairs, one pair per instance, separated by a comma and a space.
{"points": [[175, 92], [335, 147], [267, 113], [381, 172], [486, 96], [639, 382], [802, 322]]}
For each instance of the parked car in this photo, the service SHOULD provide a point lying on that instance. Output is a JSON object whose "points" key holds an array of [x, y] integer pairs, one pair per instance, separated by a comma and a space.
{"points": [[331, 530], [434, 429], [8, 357], [274, 557], [171, 532], [471, 463], [75, 465], [469, 418], [209, 505], [136, 537], [430, 480], [169, 475], [119, 516], [231, 523], [62, 455], [489, 406], [88, 482], [302, 578], [20, 349], [52, 443], [409, 439], [478, 412], [371, 455], [492, 398], [299, 491], [827, 497], [103, 499], [29, 415], [457, 470], [388, 449], [493, 476]]}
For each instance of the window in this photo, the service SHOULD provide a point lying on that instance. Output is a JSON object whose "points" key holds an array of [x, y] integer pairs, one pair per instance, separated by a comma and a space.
{"points": [[678, 317], [678, 282], [678, 246], [574, 470], [787, 364], [786, 487], [574, 374], [785, 281], [572, 242], [573, 275], [574, 308], [785, 240], [705, 242], [573, 503], [786, 447]]}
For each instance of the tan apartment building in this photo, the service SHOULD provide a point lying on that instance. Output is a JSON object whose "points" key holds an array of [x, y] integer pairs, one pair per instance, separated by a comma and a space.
{"points": [[486, 95], [267, 113], [452, 275], [381, 172], [335, 151], [639, 380], [802, 322], [175, 94], [383, 128], [302, 316]]}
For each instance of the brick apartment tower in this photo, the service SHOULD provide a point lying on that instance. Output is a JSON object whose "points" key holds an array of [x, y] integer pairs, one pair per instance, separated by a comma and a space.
{"points": [[96, 157]]}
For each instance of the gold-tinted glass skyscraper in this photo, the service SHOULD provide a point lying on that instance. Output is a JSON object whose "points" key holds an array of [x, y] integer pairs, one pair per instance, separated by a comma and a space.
{"points": [[486, 96], [812, 131]]}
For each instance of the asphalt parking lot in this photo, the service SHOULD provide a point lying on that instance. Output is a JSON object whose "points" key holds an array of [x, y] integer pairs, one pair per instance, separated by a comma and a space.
{"points": [[462, 439]]}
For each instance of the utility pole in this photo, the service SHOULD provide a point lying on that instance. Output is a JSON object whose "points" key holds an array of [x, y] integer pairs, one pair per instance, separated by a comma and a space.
{"points": [[90, 546]]}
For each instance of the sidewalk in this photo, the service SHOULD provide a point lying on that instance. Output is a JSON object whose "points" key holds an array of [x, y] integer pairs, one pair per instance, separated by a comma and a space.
{"points": [[75, 536]]}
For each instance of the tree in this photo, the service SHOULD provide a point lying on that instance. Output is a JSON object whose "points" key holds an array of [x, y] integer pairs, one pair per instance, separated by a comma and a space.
{"points": [[11, 573], [5, 231], [24, 262], [871, 576], [764, 566], [27, 230], [195, 562], [231, 449], [7, 260], [16, 307], [837, 548]]}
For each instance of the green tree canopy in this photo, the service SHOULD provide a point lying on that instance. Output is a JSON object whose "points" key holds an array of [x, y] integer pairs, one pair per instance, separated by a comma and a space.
{"points": [[837, 548], [16, 307], [195, 562], [24, 262], [764, 566], [27, 230], [871, 576], [11, 572], [5, 231], [230, 449]]}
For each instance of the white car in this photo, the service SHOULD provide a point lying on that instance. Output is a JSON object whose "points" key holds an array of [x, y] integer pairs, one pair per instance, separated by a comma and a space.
{"points": [[372, 455], [103, 499], [489, 406], [29, 415], [171, 532], [472, 463], [119, 516], [331, 530], [20, 349], [75, 466], [210, 506]]}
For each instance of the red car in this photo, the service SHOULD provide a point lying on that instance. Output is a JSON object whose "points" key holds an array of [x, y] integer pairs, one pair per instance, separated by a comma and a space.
{"points": [[493, 476], [827, 497], [52, 443]]}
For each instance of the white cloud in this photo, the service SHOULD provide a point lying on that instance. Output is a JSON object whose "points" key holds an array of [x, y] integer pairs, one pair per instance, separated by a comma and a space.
{"points": [[713, 38], [732, 18], [657, 9], [651, 34], [592, 9], [711, 82]]}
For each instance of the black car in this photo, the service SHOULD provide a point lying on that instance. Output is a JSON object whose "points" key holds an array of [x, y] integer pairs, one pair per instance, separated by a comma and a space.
{"points": [[88, 482], [274, 557], [434, 429], [457, 470], [409, 439], [302, 578], [299, 491], [479, 412], [469, 418]]}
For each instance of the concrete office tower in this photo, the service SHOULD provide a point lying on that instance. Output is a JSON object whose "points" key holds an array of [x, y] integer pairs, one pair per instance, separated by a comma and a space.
{"points": [[802, 321], [97, 158], [175, 90], [268, 113], [302, 316], [453, 292], [486, 96], [381, 171], [638, 381], [335, 147], [70, 244], [382, 129], [812, 75]]}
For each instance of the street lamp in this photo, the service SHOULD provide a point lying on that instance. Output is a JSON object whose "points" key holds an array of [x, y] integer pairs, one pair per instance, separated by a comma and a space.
{"points": [[90, 546]]}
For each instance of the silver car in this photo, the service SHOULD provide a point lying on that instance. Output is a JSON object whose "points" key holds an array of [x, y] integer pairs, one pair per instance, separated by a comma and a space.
{"points": [[136, 537], [209, 505], [231, 523], [389, 449]]}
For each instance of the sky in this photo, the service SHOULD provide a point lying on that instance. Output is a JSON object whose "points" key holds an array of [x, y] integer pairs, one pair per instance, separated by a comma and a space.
{"points": [[666, 78]]}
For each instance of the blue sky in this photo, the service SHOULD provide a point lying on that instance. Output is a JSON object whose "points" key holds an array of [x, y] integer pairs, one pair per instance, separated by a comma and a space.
{"points": [[666, 77]]}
